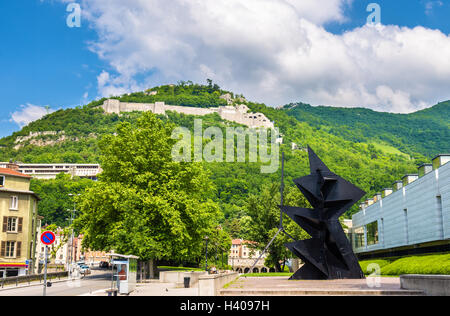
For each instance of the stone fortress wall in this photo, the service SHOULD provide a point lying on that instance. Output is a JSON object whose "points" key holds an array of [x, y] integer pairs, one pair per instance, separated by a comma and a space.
{"points": [[238, 114]]}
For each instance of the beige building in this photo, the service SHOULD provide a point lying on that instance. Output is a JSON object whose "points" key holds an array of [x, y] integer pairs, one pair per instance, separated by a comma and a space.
{"points": [[19, 219], [242, 257], [93, 258]]}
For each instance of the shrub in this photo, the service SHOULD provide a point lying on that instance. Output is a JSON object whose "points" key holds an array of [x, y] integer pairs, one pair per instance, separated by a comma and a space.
{"points": [[431, 264], [364, 264], [426, 264]]}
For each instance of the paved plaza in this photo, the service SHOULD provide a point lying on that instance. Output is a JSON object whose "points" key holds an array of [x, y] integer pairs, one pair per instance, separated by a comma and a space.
{"points": [[282, 286], [154, 288]]}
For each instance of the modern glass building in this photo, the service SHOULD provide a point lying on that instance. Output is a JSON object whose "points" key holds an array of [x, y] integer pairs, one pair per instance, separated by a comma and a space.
{"points": [[412, 217]]}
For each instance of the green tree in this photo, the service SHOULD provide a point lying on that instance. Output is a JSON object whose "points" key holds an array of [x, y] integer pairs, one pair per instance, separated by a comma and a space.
{"points": [[55, 200], [145, 203], [264, 213]]}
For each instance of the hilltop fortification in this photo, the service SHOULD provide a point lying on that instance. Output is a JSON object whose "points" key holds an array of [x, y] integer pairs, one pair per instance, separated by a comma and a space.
{"points": [[238, 113]]}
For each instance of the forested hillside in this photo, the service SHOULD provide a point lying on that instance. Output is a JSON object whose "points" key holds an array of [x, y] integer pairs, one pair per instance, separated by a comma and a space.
{"points": [[369, 156], [426, 132]]}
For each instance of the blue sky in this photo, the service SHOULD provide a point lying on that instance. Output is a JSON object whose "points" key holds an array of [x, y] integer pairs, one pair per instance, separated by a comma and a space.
{"points": [[45, 63]]}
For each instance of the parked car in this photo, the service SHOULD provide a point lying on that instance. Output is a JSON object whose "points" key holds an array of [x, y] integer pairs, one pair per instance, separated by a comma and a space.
{"points": [[81, 263], [103, 265], [84, 269]]}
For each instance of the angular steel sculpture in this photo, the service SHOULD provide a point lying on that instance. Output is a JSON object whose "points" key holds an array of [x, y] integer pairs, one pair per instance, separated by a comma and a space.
{"points": [[328, 254]]}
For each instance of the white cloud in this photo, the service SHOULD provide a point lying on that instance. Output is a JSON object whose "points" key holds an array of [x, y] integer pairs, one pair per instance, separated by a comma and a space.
{"points": [[274, 51], [29, 113], [108, 85]]}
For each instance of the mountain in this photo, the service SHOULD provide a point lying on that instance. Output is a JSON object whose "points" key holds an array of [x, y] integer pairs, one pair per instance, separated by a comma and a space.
{"points": [[362, 154], [425, 132]]}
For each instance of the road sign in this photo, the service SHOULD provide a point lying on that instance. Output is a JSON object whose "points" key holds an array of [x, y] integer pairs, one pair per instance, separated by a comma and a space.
{"points": [[48, 238]]}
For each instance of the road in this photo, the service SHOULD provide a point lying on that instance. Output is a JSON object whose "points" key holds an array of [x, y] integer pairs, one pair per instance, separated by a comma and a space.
{"points": [[99, 280]]}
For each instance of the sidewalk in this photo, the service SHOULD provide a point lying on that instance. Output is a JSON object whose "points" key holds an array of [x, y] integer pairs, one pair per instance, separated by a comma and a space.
{"points": [[155, 289], [163, 289]]}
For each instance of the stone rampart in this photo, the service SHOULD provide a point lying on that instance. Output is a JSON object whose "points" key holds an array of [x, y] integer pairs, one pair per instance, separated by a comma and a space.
{"points": [[238, 114]]}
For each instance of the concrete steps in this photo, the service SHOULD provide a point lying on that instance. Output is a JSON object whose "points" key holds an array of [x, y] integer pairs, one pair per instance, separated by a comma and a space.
{"points": [[319, 292]]}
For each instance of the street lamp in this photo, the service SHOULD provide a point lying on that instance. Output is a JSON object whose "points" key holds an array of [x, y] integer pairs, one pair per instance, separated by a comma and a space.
{"points": [[215, 261], [206, 253], [72, 237]]}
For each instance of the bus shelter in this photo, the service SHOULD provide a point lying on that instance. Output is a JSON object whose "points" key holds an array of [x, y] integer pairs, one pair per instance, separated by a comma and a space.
{"points": [[124, 272]]}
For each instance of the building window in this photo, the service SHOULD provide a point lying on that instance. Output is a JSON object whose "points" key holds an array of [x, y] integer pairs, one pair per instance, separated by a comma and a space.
{"points": [[10, 249], [372, 233], [358, 237], [405, 215], [12, 225], [2, 181], [14, 203], [440, 216]]}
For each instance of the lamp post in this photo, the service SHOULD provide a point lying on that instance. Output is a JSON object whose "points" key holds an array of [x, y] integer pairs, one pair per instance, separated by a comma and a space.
{"points": [[72, 217], [206, 254], [215, 261]]}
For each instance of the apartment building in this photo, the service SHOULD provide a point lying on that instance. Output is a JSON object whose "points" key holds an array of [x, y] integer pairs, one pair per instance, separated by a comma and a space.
{"points": [[242, 257], [19, 219]]}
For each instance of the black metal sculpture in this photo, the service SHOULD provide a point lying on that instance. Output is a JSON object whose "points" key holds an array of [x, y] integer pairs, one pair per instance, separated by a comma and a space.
{"points": [[328, 254]]}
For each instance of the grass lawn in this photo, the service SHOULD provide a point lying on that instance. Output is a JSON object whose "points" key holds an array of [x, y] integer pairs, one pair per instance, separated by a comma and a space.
{"points": [[421, 264], [167, 268], [270, 274], [388, 149]]}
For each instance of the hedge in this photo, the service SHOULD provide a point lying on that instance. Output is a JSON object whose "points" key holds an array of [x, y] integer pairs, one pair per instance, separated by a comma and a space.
{"points": [[426, 264]]}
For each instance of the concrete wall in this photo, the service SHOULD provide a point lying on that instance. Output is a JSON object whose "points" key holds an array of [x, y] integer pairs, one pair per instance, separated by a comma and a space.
{"points": [[235, 114], [433, 285], [190, 110], [423, 220], [177, 277], [210, 285]]}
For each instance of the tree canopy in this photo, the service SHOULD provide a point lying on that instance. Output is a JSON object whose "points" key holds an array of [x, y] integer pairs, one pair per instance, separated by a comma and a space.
{"points": [[264, 217], [145, 204]]}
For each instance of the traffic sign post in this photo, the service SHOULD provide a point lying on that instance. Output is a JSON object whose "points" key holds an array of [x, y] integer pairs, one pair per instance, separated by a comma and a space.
{"points": [[45, 271], [47, 238]]}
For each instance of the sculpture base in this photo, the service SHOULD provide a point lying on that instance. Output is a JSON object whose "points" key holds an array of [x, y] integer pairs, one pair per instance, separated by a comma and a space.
{"points": [[310, 272]]}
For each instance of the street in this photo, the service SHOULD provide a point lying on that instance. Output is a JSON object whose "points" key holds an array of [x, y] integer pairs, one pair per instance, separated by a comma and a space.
{"points": [[98, 280]]}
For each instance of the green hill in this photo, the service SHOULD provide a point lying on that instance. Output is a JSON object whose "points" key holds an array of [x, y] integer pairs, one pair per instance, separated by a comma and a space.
{"points": [[425, 132], [371, 159]]}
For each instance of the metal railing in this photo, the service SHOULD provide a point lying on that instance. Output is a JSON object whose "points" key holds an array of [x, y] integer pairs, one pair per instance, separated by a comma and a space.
{"points": [[31, 278]]}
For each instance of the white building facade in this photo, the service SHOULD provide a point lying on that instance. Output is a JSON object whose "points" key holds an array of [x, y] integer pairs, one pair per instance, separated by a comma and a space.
{"points": [[242, 257], [50, 171], [413, 217]]}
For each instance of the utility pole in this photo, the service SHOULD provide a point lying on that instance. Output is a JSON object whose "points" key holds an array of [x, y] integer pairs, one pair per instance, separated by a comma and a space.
{"points": [[206, 254], [45, 270], [72, 217]]}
